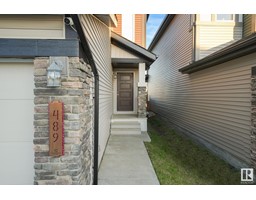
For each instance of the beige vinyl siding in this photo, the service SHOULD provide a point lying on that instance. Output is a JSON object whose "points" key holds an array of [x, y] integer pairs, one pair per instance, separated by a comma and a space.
{"points": [[32, 26], [214, 38], [98, 36], [117, 52], [213, 104], [174, 50]]}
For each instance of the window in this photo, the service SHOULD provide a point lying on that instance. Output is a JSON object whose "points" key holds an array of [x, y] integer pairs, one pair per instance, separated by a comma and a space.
{"points": [[225, 17], [240, 18]]}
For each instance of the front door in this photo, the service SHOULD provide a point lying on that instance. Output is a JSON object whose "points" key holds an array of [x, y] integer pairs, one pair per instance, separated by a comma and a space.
{"points": [[124, 91]]}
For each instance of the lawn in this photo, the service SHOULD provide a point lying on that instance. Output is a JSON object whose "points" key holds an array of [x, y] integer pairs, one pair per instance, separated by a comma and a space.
{"points": [[179, 161]]}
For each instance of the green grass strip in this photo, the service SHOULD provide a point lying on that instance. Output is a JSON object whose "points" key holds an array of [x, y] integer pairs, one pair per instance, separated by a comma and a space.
{"points": [[179, 161]]}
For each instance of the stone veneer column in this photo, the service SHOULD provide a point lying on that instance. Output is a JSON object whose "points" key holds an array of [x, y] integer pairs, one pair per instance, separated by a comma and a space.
{"points": [[75, 166], [253, 119], [142, 92], [142, 102]]}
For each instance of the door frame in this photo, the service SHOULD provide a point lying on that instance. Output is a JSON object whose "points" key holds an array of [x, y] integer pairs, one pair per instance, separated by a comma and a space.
{"points": [[135, 91], [125, 91]]}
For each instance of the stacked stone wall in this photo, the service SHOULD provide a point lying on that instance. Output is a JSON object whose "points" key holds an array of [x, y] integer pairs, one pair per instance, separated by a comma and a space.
{"points": [[75, 166], [142, 102]]}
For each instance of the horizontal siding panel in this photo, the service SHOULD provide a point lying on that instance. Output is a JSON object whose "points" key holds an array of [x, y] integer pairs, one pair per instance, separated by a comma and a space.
{"points": [[237, 152], [196, 127], [98, 36], [247, 25], [28, 34], [213, 104], [120, 53], [32, 26], [238, 122], [213, 38]]}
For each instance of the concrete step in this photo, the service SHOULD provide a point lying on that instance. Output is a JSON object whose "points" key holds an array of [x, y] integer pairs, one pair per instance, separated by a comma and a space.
{"points": [[125, 131], [125, 125]]}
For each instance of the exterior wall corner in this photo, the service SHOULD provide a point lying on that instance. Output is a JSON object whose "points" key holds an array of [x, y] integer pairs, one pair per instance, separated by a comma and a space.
{"points": [[75, 166], [253, 119]]}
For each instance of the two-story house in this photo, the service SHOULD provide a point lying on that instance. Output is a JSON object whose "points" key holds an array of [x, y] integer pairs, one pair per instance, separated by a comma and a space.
{"points": [[201, 81], [64, 60]]}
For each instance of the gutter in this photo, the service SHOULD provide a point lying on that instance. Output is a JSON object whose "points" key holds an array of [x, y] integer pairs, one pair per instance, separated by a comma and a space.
{"points": [[87, 55], [238, 49]]}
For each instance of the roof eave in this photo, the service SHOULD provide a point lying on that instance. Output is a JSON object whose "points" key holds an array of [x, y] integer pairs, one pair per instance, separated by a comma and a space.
{"points": [[161, 30], [132, 47], [108, 19]]}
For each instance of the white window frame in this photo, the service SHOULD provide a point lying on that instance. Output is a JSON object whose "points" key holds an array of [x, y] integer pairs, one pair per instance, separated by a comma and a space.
{"points": [[232, 20]]}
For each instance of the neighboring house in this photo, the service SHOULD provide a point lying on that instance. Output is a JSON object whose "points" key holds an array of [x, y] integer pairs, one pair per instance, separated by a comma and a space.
{"points": [[96, 64], [132, 27], [201, 82], [249, 24], [213, 32]]}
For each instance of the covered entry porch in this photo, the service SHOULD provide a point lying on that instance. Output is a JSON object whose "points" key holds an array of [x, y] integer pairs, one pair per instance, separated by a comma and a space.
{"points": [[130, 63]]}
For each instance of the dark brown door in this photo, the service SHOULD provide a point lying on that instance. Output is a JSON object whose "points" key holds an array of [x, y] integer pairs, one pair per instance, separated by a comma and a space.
{"points": [[124, 91]]}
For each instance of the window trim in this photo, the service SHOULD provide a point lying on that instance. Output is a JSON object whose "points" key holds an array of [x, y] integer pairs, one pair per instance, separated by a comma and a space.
{"points": [[232, 20], [236, 19]]}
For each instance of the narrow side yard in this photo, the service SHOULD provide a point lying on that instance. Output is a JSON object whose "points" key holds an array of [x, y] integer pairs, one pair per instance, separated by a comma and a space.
{"points": [[179, 161]]}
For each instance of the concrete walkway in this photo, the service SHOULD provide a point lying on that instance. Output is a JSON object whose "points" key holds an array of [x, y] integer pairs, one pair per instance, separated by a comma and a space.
{"points": [[126, 162]]}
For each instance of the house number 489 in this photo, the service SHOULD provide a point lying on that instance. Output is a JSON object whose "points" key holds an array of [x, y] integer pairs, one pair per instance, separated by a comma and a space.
{"points": [[56, 128], [55, 125]]}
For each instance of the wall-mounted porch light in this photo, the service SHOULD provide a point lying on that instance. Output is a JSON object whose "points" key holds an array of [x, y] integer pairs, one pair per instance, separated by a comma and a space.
{"points": [[54, 74], [146, 76], [114, 75]]}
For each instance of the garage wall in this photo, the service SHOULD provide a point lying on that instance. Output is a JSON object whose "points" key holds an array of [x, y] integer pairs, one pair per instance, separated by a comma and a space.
{"points": [[32, 26], [16, 117]]}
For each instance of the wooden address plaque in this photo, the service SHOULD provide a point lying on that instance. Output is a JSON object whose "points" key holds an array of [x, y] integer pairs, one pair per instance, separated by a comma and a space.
{"points": [[56, 128]]}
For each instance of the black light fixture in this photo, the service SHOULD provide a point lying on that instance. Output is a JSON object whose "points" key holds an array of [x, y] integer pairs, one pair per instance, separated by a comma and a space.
{"points": [[146, 76]]}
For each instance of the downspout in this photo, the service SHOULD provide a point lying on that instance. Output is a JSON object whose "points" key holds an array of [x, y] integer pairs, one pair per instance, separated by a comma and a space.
{"points": [[87, 55], [194, 38]]}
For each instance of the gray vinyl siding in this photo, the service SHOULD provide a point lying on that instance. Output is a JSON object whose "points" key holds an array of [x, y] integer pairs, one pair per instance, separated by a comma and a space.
{"points": [[98, 36], [213, 38], [247, 25], [212, 105], [32, 26]]}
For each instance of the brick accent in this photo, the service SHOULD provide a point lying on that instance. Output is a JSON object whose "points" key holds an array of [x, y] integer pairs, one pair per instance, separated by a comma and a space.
{"points": [[142, 102], [75, 166], [118, 29], [140, 29]]}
